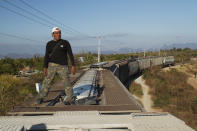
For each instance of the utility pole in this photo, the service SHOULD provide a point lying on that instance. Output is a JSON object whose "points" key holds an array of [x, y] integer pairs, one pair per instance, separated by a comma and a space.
{"points": [[99, 48], [144, 54]]}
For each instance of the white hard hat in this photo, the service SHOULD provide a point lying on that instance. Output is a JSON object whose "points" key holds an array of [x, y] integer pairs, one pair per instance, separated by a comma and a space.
{"points": [[55, 29]]}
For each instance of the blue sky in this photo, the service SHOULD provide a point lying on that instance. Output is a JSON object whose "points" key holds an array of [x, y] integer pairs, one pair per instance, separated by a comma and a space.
{"points": [[122, 23]]}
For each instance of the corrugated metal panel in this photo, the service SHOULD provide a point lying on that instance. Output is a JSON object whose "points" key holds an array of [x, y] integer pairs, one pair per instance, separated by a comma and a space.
{"points": [[156, 61], [65, 121], [133, 68], [85, 86], [144, 63], [75, 113]]}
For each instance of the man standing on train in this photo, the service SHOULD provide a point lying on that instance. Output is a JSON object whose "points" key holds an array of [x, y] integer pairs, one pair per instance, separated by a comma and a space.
{"points": [[56, 61]]}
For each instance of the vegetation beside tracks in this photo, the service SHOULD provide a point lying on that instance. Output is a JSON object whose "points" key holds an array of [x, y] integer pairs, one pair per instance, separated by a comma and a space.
{"points": [[16, 90], [171, 92], [136, 89]]}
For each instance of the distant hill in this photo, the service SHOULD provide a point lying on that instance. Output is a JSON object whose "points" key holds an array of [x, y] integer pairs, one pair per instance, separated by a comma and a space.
{"points": [[21, 50], [18, 55], [28, 51], [185, 45]]}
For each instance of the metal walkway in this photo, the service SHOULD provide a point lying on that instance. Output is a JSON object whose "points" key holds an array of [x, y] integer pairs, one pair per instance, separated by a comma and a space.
{"points": [[115, 93]]}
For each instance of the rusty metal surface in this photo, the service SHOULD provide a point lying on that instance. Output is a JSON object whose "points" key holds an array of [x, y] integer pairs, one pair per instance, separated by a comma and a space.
{"points": [[76, 108], [115, 93]]}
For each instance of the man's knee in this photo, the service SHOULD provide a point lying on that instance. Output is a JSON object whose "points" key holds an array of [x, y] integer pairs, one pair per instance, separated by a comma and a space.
{"points": [[44, 92], [69, 90]]}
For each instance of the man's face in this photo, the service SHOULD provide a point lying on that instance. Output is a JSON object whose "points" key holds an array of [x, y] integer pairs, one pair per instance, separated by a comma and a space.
{"points": [[57, 35]]}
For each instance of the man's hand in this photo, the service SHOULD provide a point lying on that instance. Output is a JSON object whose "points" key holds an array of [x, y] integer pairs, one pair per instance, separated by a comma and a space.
{"points": [[45, 72], [73, 70]]}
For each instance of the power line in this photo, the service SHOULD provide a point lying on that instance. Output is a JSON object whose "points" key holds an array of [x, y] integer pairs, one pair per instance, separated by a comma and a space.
{"points": [[32, 19], [36, 16], [29, 18], [51, 18], [19, 37]]}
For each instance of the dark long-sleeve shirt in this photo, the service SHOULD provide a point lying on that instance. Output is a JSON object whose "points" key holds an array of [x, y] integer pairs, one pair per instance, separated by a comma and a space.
{"points": [[59, 56]]}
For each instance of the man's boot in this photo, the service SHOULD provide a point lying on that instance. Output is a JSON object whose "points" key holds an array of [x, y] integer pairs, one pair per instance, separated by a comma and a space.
{"points": [[72, 102]]}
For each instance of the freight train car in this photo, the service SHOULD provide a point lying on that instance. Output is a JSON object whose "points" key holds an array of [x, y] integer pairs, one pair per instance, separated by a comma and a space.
{"points": [[133, 68], [155, 61], [123, 72], [125, 68], [144, 63], [169, 60]]}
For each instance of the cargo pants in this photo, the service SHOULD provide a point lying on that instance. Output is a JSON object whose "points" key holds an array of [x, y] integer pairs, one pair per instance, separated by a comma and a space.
{"points": [[63, 72]]}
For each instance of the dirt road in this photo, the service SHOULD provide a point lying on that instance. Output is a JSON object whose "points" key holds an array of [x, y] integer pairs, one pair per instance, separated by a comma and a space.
{"points": [[146, 98]]}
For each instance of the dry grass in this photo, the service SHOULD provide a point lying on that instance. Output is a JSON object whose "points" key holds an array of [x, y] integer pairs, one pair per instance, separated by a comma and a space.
{"points": [[15, 91], [136, 89], [171, 92]]}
